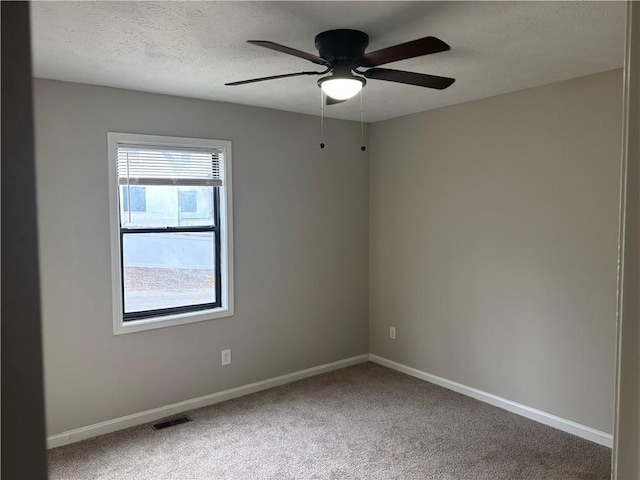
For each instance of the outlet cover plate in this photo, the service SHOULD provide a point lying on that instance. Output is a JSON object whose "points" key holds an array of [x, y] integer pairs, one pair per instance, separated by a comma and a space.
{"points": [[225, 357]]}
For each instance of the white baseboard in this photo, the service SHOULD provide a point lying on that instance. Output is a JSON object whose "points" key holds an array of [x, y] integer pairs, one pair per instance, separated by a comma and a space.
{"points": [[568, 426], [147, 416], [127, 421]]}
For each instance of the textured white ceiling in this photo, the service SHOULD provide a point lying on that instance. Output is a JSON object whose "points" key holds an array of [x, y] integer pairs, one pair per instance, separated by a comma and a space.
{"points": [[192, 48]]}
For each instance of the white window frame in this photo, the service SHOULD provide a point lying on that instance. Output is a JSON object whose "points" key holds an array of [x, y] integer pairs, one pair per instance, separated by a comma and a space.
{"points": [[226, 235]]}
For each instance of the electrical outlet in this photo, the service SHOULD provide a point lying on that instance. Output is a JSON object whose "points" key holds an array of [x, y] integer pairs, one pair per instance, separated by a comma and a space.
{"points": [[392, 333], [226, 357]]}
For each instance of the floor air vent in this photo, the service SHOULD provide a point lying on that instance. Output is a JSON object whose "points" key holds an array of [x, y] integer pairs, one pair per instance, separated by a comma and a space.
{"points": [[171, 423]]}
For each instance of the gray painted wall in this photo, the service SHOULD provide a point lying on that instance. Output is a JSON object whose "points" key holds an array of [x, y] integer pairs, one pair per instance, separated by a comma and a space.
{"points": [[493, 244], [300, 243], [493, 248]]}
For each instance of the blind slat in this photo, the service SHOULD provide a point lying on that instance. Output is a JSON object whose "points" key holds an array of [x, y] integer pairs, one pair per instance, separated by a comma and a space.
{"points": [[153, 165], [193, 182]]}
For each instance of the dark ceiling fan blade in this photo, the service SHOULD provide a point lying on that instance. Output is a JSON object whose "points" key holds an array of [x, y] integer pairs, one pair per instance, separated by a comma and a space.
{"points": [[290, 51], [415, 48], [273, 77], [332, 101], [410, 78]]}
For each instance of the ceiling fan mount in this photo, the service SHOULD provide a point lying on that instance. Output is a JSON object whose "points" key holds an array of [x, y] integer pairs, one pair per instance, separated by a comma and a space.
{"points": [[343, 53], [342, 47]]}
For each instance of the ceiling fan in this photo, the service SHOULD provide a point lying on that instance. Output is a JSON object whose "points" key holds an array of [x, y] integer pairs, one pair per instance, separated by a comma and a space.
{"points": [[342, 52]]}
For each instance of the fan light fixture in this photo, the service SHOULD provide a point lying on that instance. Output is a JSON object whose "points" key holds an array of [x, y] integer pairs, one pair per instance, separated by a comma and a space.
{"points": [[341, 88]]}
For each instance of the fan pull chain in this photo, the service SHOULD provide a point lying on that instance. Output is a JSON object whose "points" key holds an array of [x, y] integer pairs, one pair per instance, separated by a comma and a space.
{"points": [[363, 147], [321, 119]]}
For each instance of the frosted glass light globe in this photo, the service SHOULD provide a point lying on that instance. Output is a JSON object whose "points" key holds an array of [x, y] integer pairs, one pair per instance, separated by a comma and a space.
{"points": [[341, 88]]}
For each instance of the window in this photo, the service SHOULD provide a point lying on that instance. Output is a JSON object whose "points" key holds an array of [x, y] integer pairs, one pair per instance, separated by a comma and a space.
{"points": [[188, 201], [134, 199], [171, 230]]}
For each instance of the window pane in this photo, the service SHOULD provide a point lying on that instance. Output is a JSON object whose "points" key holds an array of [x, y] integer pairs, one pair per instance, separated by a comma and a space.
{"points": [[134, 199], [167, 206], [188, 201], [166, 270]]}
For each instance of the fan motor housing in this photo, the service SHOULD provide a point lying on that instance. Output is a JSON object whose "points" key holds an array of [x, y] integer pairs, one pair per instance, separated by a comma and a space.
{"points": [[342, 46]]}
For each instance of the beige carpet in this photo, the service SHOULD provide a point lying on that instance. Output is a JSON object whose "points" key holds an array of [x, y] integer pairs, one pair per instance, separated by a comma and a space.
{"points": [[362, 422]]}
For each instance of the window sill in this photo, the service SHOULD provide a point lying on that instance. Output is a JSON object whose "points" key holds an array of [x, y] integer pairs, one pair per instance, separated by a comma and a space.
{"points": [[121, 327]]}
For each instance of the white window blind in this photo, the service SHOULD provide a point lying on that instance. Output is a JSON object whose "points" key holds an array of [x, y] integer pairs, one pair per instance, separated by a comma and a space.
{"points": [[152, 165]]}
